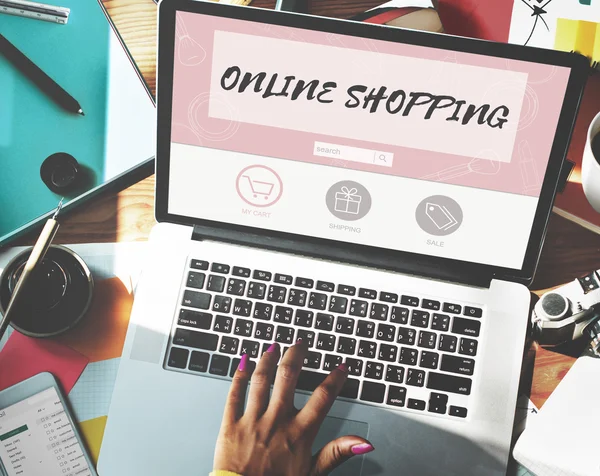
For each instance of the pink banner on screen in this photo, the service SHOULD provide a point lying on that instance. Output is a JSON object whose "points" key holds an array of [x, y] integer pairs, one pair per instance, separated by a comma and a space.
{"points": [[330, 99]]}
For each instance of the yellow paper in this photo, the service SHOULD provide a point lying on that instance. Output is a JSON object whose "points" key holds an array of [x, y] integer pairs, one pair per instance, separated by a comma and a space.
{"points": [[578, 35], [92, 432]]}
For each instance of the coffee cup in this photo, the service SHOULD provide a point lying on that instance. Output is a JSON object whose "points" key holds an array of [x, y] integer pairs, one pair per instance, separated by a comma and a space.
{"points": [[590, 167]]}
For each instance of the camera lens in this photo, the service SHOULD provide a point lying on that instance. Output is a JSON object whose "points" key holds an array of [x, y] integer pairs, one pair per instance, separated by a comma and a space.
{"points": [[48, 283]]}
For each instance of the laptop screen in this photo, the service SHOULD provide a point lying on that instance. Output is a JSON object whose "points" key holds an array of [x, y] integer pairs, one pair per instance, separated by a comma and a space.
{"points": [[397, 146]]}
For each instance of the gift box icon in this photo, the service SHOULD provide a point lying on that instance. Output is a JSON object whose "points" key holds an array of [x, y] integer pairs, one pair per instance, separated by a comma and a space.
{"points": [[348, 201]]}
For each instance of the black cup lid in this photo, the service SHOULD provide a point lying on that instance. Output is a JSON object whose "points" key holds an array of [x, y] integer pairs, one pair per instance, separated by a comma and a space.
{"points": [[60, 172]]}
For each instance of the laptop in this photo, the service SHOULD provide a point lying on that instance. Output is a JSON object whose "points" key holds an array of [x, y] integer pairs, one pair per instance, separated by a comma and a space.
{"points": [[381, 193]]}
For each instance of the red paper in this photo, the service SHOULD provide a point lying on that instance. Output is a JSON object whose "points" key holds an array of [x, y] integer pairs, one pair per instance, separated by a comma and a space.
{"points": [[23, 357], [485, 19]]}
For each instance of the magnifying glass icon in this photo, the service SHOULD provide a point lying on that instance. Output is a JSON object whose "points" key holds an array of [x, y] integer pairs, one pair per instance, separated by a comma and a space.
{"points": [[382, 158]]}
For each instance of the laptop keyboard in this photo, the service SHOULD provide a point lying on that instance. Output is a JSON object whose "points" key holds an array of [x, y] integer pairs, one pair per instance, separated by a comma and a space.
{"points": [[403, 351]]}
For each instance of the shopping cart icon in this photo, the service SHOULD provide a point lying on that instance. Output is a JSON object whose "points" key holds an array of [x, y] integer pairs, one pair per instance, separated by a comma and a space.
{"points": [[260, 188]]}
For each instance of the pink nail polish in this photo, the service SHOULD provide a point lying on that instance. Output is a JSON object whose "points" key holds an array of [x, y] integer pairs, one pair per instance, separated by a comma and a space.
{"points": [[343, 367], [243, 363], [299, 341], [362, 449], [273, 347]]}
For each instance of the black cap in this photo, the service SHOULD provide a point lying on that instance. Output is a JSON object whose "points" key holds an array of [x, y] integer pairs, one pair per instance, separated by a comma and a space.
{"points": [[60, 172]]}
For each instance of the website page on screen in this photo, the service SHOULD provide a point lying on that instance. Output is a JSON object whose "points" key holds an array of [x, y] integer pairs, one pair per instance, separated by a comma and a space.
{"points": [[397, 146]]}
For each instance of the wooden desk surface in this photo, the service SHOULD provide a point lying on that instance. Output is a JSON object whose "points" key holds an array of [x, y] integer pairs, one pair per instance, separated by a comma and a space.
{"points": [[569, 251]]}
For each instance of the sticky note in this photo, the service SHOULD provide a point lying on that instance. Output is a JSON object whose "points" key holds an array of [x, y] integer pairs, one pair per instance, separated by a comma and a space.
{"points": [[92, 432], [578, 35]]}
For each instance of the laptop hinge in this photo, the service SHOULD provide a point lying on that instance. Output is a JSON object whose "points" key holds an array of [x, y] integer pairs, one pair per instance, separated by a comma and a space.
{"points": [[406, 263]]}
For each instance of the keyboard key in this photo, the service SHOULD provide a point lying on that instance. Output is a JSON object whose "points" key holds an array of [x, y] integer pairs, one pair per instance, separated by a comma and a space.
{"points": [[312, 360], [197, 340], [283, 314], [297, 297], [430, 304], [250, 347], [325, 286], [437, 403], [222, 304], [453, 308], [219, 364], [394, 374], [409, 301], [304, 283], [447, 343], [309, 380], [243, 328], [198, 264], [284, 335], [195, 280], [408, 356], [236, 287], [440, 322], [338, 304], [332, 361], [304, 318], [386, 332], [467, 327], [415, 404], [242, 307], [427, 340], [223, 324], [468, 346], [241, 272], [472, 311], [264, 331], [263, 311], [283, 279], [419, 319], [215, 283], [379, 311], [178, 358], [367, 349], [388, 353], [196, 299], [257, 290], [406, 335], [326, 342], [388, 297], [276, 294], [344, 325], [265, 347], [346, 345], [198, 320], [318, 301], [396, 396], [365, 329], [355, 366], [199, 361], [359, 308], [373, 392], [374, 370], [399, 315], [251, 366], [324, 322], [306, 336], [449, 383], [220, 268], [459, 412], [347, 290], [415, 377], [262, 275], [229, 345], [367, 293], [457, 365], [429, 360]]}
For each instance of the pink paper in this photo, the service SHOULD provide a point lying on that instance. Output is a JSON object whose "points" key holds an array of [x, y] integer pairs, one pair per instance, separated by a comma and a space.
{"points": [[23, 357]]}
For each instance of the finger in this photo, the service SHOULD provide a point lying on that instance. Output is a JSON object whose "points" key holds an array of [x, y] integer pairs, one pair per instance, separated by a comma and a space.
{"points": [[336, 452], [260, 384], [320, 402], [234, 406], [282, 399]]}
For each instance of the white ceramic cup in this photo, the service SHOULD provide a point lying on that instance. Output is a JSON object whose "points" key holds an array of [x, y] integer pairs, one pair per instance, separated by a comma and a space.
{"points": [[590, 167]]}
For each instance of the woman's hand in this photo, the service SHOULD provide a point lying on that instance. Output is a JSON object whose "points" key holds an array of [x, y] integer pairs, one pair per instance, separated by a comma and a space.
{"points": [[270, 436]]}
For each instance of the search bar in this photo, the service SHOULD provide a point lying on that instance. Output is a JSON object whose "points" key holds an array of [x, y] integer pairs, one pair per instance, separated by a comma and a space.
{"points": [[353, 154]]}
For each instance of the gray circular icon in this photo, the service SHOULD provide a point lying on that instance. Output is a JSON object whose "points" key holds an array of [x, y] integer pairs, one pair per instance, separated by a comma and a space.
{"points": [[439, 215], [348, 200]]}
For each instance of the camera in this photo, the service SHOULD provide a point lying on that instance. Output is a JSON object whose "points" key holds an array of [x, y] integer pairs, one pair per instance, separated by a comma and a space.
{"points": [[569, 312]]}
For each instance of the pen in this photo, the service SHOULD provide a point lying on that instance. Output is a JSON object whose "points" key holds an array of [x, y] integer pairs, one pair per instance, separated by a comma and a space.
{"points": [[38, 77], [37, 255]]}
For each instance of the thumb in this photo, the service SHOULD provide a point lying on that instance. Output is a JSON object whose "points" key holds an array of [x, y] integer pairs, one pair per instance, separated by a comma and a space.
{"points": [[336, 452]]}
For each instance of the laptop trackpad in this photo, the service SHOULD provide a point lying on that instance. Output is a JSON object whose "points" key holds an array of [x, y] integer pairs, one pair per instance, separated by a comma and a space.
{"points": [[333, 428]]}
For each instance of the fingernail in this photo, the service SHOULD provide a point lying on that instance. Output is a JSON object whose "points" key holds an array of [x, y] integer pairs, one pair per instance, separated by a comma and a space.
{"points": [[362, 448], [273, 347], [299, 341], [343, 367], [243, 363]]}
